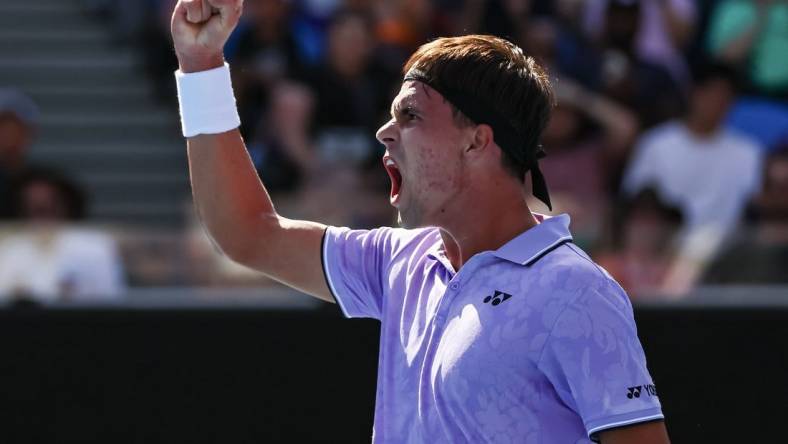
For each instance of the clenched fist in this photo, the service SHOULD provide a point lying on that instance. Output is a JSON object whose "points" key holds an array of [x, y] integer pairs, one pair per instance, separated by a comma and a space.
{"points": [[200, 29]]}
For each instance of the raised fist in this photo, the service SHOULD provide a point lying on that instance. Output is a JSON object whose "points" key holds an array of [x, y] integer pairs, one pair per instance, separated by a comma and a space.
{"points": [[200, 29]]}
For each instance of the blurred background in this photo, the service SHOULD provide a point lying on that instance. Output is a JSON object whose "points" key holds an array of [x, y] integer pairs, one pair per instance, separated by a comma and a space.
{"points": [[668, 147]]}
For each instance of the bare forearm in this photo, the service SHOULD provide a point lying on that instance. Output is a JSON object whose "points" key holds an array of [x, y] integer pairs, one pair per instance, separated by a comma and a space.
{"points": [[230, 199], [240, 217], [620, 125]]}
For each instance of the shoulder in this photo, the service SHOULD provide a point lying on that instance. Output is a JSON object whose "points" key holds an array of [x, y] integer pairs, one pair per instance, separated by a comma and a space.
{"points": [[739, 143], [572, 281], [586, 308], [571, 267], [660, 134]]}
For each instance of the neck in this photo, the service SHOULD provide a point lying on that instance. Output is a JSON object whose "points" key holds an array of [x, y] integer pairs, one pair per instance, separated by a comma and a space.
{"points": [[493, 222], [701, 127]]}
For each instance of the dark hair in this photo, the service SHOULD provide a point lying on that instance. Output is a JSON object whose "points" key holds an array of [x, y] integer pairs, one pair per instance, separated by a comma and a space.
{"points": [[73, 197], [647, 199], [496, 72], [715, 70]]}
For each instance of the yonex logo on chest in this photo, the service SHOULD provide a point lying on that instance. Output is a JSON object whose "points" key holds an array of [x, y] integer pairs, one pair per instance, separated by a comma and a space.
{"points": [[497, 297]]}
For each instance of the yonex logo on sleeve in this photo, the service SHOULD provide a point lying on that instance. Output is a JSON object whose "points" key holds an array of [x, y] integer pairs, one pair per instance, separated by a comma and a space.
{"points": [[497, 297], [636, 391]]}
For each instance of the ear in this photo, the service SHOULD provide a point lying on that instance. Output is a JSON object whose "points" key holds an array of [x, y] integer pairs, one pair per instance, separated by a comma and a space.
{"points": [[481, 140]]}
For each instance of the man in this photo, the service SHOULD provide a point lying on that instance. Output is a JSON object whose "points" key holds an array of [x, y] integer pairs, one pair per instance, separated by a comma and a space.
{"points": [[495, 328], [700, 165]]}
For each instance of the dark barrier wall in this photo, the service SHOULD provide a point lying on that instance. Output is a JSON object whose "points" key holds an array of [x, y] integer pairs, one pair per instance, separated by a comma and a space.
{"points": [[246, 376]]}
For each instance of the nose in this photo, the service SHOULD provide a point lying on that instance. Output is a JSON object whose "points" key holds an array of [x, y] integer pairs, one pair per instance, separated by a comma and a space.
{"points": [[387, 133]]}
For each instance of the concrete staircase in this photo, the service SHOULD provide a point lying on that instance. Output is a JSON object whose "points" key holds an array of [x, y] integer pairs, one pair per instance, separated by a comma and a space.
{"points": [[99, 120]]}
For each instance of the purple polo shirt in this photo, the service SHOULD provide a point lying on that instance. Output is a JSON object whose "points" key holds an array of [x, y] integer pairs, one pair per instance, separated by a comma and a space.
{"points": [[531, 343]]}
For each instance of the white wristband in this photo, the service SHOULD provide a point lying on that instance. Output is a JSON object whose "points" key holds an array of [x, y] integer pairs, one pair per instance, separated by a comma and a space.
{"points": [[206, 101]]}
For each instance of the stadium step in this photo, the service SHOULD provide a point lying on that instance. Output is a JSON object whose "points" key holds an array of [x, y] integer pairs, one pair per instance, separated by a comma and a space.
{"points": [[92, 159], [99, 119], [72, 42], [71, 99], [65, 15]]}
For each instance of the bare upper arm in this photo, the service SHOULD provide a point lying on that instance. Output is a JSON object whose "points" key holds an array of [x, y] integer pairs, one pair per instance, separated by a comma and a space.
{"points": [[238, 214], [290, 251], [653, 432]]}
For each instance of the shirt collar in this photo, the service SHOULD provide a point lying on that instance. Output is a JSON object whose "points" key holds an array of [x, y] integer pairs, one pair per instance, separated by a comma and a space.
{"points": [[530, 245]]}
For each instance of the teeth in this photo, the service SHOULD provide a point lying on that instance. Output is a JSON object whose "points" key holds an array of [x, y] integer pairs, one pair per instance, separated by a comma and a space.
{"points": [[390, 162]]}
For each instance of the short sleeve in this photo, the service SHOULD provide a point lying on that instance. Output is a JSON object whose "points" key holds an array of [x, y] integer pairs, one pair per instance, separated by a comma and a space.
{"points": [[354, 263], [595, 362]]}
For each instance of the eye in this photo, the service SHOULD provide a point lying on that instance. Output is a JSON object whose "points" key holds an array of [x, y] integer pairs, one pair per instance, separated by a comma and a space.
{"points": [[409, 114], [405, 114]]}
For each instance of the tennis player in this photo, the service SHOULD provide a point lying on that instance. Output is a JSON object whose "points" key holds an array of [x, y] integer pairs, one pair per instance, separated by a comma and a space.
{"points": [[495, 327]]}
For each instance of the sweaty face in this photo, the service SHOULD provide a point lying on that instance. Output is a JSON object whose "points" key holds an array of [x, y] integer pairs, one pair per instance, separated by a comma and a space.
{"points": [[424, 156]]}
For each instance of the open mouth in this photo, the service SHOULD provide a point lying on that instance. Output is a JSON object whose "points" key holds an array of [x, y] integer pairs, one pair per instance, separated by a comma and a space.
{"points": [[395, 176]]}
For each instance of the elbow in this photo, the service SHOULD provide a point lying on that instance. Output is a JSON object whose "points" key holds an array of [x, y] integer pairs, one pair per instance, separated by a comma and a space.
{"points": [[241, 242], [236, 252]]}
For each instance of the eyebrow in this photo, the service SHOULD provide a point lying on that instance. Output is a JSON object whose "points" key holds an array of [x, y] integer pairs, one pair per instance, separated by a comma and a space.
{"points": [[397, 108]]}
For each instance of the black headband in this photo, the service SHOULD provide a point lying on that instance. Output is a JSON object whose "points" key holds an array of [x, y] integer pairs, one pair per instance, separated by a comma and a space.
{"points": [[504, 134]]}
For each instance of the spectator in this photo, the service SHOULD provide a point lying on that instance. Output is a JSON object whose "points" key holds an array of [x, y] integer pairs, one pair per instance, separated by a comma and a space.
{"points": [[302, 142], [561, 48], [772, 203], [753, 34], [760, 256], [18, 117], [702, 167], [401, 26], [504, 18], [585, 139], [539, 39], [52, 262], [629, 78], [352, 92], [265, 54], [282, 150], [644, 242], [665, 28]]}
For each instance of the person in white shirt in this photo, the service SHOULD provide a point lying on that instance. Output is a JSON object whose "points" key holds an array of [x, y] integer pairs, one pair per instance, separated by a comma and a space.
{"points": [[699, 165], [49, 260]]}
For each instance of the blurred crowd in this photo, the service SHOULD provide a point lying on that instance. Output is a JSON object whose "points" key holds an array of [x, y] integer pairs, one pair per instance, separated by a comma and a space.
{"points": [[45, 255], [668, 145]]}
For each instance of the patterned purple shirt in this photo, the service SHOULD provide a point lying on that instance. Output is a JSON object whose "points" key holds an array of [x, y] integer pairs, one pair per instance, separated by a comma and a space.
{"points": [[532, 343]]}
